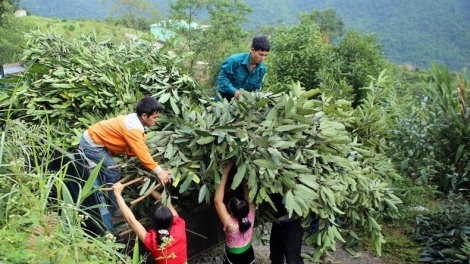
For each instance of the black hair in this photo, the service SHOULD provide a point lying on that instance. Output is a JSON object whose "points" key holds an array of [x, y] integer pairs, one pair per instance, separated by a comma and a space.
{"points": [[162, 220], [148, 105], [240, 209], [261, 43]]}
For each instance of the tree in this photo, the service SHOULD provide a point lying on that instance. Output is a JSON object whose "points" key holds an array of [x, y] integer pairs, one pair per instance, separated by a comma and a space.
{"points": [[132, 11], [298, 54], [330, 24], [11, 32], [361, 56], [7, 7], [224, 35], [189, 11]]}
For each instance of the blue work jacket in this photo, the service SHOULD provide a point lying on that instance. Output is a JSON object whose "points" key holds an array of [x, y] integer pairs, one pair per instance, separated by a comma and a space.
{"points": [[235, 74]]}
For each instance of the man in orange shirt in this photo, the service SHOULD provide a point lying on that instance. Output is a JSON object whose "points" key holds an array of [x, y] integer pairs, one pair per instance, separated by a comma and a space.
{"points": [[119, 135]]}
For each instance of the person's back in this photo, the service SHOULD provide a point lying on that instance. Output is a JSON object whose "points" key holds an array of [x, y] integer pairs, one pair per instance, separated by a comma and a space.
{"points": [[174, 250], [123, 134], [235, 238], [238, 218], [166, 240], [285, 242]]}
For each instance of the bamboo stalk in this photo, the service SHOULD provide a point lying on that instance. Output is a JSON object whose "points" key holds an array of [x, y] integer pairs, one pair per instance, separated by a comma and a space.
{"points": [[114, 166], [126, 184], [145, 195], [196, 233]]}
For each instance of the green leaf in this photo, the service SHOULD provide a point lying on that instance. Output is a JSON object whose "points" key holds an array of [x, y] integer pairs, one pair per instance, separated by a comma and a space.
{"points": [[262, 102], [238, 176], [60, 85], [271, 115], [144, 187], [136, 255], [459, 152], [187, 181], [202, 193], [170, 151], [291, 128], [290, 203], [232, 153], [289, 106], [303, 119], [309, 180], [164, 97], [205, 140], [266, 164], [311, 93], [175, 108], [87, 188]]}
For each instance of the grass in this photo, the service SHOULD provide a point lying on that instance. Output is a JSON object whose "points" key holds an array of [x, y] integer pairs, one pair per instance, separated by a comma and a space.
{"points": [[73, 29], [400, 246]]}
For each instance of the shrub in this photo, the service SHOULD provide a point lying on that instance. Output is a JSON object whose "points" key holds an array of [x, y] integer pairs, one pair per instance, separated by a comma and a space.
{"points": [[444, 233]]}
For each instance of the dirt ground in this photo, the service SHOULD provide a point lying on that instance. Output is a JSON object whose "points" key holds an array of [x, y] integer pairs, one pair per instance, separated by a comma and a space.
{"points": [[340, 256]]}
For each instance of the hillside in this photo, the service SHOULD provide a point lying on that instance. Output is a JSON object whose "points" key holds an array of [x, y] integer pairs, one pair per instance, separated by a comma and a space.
{"points": [[411, 31], [415, 32], [73, 29]]}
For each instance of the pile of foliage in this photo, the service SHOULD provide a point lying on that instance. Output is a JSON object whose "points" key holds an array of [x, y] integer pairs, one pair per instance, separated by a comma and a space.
{"points": [[77, 83]]}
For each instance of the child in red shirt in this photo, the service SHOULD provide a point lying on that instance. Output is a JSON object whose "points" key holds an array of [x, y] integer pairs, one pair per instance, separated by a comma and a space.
{"points": [[168, 230]]}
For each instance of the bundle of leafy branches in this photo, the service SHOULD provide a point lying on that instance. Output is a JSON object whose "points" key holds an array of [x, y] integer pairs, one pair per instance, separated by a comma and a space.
{"points": [[286, 143]]}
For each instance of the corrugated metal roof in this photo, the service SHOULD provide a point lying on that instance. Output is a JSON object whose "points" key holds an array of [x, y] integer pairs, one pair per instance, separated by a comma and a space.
{"points": [[12, 68]]}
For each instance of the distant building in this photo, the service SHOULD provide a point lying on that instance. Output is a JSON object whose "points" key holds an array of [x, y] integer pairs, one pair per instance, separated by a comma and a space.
{"points": [[162, 31], [20, 13], [10, 69]]}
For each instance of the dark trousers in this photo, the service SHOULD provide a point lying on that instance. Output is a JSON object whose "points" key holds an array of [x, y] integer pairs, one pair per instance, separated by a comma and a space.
{"points": [[286, 241]]}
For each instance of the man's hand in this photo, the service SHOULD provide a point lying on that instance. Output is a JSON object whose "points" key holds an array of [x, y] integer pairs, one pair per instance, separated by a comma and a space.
{"points": [[237, 94], [164, 177]]}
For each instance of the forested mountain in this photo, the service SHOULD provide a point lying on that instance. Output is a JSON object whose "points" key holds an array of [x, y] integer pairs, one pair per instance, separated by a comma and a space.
{"points": [[415, 32]]}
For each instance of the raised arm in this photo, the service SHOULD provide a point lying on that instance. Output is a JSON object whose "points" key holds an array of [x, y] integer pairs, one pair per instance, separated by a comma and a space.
{"points": [[158, 196], [246, 193], [138, 228], [219, 195]]}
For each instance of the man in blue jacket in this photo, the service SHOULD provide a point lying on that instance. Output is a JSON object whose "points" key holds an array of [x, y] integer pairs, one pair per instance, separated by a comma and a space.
{"points": [[243, 71]]}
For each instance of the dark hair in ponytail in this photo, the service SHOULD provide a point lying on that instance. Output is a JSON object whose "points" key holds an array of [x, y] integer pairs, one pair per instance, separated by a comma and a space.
{"points": [[240, 209], [162, 220]]}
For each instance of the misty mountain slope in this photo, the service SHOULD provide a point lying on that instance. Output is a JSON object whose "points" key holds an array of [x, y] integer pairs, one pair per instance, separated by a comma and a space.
{"points": [[415, 32]]}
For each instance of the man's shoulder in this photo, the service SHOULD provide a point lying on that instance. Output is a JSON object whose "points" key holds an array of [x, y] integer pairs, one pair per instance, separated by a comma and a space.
{"points": [[132, 121], [238, 57]]}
